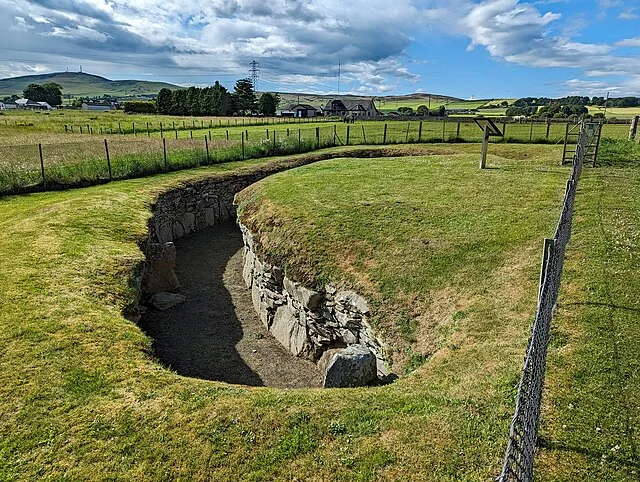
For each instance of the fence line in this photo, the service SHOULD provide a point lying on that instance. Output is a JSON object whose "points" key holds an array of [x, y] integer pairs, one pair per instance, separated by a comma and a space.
{"points": [[66, 164], [523, 433]]}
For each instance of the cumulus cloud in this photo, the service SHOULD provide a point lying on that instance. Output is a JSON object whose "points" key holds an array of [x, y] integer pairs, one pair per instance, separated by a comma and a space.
{"points": [[297, 37]]}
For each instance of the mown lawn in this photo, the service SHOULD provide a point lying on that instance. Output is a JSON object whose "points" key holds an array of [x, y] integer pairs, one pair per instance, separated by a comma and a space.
{"points": [[82, 397]]}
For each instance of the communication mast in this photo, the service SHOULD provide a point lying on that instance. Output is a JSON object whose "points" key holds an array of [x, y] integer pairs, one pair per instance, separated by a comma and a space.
{"points": [[254, 74]]}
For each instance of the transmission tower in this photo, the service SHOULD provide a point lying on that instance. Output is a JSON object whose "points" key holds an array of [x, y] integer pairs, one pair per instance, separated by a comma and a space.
{"points": [[254, 74]]}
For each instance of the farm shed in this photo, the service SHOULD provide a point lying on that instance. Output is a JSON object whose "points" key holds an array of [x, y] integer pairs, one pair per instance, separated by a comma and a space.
{"points": [[299, 110]]}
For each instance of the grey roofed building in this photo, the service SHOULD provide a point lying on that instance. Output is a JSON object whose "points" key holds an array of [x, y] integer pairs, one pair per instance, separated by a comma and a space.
{"points": [[352, 108]]}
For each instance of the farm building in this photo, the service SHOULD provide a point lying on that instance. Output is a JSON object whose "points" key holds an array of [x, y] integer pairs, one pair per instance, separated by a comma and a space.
{"points": [[30, 104], [98, 105], [351, 108], [299, 110], [8, 104]]}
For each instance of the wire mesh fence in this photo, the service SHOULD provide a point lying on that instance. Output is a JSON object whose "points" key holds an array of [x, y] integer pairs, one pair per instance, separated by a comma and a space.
{"points": [[518, 463], [91, 159]]}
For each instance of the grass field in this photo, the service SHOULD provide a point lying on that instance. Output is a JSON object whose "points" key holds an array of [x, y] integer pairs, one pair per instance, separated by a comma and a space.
{"points": [[83, 397], [618, 112], [72, 158]]}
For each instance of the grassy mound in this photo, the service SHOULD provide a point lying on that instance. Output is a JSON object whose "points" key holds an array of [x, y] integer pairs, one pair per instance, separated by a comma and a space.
{"points": [[422, 238]]}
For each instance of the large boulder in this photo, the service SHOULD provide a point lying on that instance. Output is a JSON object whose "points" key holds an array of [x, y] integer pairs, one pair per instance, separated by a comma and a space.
{"points": [[353, 366]]}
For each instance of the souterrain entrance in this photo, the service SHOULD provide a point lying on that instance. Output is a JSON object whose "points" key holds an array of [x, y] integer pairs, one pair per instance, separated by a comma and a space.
{"points": [[216, 334]]}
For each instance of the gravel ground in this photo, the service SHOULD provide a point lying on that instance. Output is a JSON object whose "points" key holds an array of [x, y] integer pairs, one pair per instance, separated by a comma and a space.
{"points": [[216, 334]]}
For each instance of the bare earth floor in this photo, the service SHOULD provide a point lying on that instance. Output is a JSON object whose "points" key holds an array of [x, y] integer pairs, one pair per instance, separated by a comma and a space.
{"points": [[216, 334]]}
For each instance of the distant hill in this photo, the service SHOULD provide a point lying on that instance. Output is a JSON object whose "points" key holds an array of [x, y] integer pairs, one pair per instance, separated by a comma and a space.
{"points": [[84, 85]]}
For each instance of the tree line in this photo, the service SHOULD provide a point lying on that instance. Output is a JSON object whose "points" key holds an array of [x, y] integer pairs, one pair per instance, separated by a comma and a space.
{"points": [[51, 93], [216, 100]]}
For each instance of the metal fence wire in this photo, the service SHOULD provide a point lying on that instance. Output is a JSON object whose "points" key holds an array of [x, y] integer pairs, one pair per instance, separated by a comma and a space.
{"points": [[518, 462]]}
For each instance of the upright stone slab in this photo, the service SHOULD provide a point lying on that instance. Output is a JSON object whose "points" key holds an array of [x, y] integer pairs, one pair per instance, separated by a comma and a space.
{"points": [[159, 274]]}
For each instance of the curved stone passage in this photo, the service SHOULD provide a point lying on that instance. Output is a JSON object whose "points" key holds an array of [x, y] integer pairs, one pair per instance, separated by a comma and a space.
{"points": [[216, 334]]}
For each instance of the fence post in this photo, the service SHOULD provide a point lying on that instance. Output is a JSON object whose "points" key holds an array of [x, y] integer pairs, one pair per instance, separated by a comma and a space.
{"points": [[348, 131], [504, 130], [227, 134], [406, 137], [191, 134], [44, 181], [164, 152], [444, 127], [566, 138], [299, 140], [364, 136], [458, 131], [334, 135], [531, 132], [633, 129], [133, 127], [274, 142], [176, 134], [246, 134], [420, 131], [384, 135], [317, 138], [242, 146], [549, 245], [106, 148], [148, 133], [485, 146], [548, 126], [206, 146], [209, 135]]}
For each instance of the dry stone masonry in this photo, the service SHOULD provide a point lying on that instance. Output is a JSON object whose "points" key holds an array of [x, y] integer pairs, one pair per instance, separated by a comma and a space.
{"points": [[328, 327]]}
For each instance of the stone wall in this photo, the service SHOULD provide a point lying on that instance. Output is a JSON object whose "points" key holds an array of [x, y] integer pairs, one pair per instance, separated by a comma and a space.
{"points": [[308, 323], [325, 327]]}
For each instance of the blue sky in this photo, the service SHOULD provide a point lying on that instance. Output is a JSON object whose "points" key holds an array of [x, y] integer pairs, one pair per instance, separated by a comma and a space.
{"points": [[463, 48]]}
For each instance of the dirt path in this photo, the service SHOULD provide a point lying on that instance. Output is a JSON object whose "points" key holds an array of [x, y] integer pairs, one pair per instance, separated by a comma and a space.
{"points": [[216, 334]]}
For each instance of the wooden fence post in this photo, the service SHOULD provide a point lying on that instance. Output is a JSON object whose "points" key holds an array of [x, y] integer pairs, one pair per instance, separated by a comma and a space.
{"points": [[133, 127], [106, 148], [299, 140], [347, 135], [444, 127], [531, 132], [485, 146], [548, 126], [633, 129], [384, 135], [148, 132], [504, 130], [364, 136], [274, 141], [420, 132], [566, 138], [44, 181], [458, 131], [164, 152], [243, 146], [317, 138], [206, 146]]}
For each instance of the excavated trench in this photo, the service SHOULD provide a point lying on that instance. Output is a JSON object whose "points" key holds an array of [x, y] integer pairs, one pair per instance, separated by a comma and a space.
{"points": [[216, 334]]}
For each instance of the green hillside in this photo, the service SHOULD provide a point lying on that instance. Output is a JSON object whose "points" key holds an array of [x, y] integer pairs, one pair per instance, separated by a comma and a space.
{"points": [[84, 85]]}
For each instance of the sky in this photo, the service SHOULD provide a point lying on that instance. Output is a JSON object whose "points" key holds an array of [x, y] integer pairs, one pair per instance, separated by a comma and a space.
{"points": [[463, 48]]}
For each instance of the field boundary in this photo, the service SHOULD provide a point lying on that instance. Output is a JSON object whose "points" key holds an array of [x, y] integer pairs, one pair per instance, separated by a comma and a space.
{"points": [[43, 167], [523, 432]]}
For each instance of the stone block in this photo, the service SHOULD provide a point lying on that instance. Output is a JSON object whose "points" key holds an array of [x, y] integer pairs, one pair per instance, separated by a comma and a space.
{"points": [[247, 270], [159, 274], [353, 366], [164, 301], [353, 301], [308, 299], [288, 331]]}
